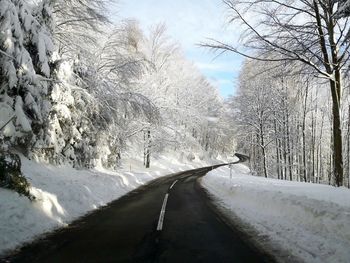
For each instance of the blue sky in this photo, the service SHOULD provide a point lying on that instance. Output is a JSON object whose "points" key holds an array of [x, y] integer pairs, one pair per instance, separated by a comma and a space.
{"points": [[190, 22]]}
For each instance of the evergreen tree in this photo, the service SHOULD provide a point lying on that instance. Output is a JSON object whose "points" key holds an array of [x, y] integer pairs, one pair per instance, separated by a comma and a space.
{"points": [[26, 49]]}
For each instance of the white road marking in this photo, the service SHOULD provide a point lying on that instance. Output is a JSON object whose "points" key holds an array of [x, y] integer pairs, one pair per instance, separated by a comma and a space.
{"points": [[173, 184], [162, 212]]}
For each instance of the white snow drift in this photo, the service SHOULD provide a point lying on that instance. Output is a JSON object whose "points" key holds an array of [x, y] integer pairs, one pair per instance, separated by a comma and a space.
{"points": [[310, 221]]}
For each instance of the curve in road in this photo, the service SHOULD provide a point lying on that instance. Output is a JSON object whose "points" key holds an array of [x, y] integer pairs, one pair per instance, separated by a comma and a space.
{"points": [[169, 220]]}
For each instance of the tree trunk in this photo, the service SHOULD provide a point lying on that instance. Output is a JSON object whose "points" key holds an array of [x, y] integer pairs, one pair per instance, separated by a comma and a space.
{"points": [[313, 141], [303, 134], [147, 151], [289, 152], [331, 159], [277, 150], [264, 161], [319, 153], [252, 155], [348, 148], [337, 133], [332, 64], [297, 150], [263, 150], [284, 145]]}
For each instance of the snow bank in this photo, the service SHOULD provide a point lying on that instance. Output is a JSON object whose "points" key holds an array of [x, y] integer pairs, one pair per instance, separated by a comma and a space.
{"points": [[64, 194], [310, 221]]}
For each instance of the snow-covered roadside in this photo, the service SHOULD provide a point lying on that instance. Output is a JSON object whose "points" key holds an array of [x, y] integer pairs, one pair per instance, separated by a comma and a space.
{"points": [[64, 194], [309, 221]]}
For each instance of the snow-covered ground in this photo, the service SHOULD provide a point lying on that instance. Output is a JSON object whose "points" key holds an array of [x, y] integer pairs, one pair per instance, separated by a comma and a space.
{"points": [[64, 194], [309, 221]]}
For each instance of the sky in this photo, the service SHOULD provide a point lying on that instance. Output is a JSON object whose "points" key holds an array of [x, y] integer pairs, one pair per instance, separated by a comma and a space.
{"points": [[190, 22]]}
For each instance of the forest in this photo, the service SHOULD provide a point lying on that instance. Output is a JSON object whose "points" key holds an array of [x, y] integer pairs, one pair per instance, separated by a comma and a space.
{"points": [[292, 109], [118, 135], [78, 88]]}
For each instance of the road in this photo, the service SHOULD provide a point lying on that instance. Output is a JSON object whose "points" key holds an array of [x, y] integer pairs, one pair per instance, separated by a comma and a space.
{"points": [[169, 220]]}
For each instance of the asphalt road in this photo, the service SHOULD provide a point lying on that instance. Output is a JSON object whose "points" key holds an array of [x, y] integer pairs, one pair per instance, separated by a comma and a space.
{"points": [[133, 229]]}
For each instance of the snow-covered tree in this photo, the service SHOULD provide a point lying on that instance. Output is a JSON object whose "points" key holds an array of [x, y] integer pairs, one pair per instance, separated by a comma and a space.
{"points": [[79, 25], [26, 48], [87, 96], [283, 125], [307, 32]]}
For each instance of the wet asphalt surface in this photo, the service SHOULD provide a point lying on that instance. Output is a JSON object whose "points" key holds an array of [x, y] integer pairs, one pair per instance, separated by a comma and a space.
{"points": [[126, 230]]}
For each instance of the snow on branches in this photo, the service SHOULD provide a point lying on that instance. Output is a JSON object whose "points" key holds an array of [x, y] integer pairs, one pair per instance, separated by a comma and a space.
{"points": [[25, 51], [87, 97]]}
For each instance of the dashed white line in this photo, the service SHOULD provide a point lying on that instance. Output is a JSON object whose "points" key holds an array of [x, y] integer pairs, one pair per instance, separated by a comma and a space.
{"points": [[162, 212], [173, 184]]}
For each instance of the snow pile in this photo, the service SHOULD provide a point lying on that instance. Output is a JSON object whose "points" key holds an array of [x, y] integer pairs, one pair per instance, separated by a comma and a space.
{"points": [[64, 194], [310, 221]]}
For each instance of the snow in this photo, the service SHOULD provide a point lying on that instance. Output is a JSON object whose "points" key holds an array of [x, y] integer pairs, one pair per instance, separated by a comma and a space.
{"points": [[310, 222], [64, 194], [21, 117], [6, 113]]}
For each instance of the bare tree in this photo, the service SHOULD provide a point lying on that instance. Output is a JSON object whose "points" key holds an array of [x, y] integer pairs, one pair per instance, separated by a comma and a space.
{"points": [[255, 111], [297, 31]]}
